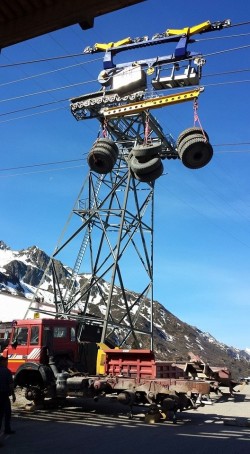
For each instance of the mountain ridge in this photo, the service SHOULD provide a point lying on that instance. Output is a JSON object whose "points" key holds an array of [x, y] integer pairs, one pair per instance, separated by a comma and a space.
{"points": [[21, 272]]}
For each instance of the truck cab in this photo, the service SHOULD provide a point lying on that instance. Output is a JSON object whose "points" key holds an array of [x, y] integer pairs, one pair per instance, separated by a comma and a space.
{"points": [[38, 339]]}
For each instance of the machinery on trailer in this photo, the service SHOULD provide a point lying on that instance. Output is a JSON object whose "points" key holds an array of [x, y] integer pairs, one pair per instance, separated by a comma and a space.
{"points": [[49, 360]]}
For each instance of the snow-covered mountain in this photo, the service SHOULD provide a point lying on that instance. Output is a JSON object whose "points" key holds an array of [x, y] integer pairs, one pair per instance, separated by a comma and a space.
{"points": [[22, 271]]}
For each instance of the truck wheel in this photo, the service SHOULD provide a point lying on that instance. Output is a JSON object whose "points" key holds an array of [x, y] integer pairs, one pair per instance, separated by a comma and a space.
{"points": [[196, 152], [190, 132], [149, 150], [34, 393], [140, 168], [188, 138], [151, 176], [107, 144], [107, 148], [100, 161]]}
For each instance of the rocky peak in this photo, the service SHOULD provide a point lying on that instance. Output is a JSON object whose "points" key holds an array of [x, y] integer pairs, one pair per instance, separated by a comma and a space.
{"points": [[3, 246]]}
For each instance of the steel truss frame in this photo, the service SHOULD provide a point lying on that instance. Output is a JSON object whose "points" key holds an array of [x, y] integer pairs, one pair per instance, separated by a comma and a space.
{"points": [[116, 211], [113, 227]]}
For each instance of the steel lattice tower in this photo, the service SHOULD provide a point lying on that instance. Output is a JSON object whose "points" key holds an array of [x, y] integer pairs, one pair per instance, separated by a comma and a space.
{"points": [[111, 231]]}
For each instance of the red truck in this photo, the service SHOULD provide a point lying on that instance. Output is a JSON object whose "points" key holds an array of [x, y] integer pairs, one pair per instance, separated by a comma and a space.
{"points": [[56, 358]]}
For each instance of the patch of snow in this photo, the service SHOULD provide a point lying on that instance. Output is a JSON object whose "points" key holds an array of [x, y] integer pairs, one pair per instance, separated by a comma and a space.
{"points": [[200, 347], [7, 256]]}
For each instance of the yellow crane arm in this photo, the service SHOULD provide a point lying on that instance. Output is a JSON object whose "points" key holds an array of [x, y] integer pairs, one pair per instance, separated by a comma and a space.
{"points": [[151, 103], [103, 47], [189, 30]]}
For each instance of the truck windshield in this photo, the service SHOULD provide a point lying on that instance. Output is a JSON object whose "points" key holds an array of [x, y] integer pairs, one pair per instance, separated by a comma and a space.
{"points": [[34, 335], [21, 336]]}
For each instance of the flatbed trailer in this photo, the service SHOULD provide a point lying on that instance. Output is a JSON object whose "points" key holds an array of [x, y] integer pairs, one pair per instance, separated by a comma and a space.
{"points": [[48, 360]]}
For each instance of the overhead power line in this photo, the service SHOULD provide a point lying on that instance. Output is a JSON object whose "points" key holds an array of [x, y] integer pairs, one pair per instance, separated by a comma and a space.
{"points": [[240, 24], [232, 49], [65, 107], [32, 115], [65, 161], [225, 73], [34, 76], [42, 164], [42, 60], [33, 107], [46, 91], [42, 171], [81, 54], [213, 38], [227, 83]]}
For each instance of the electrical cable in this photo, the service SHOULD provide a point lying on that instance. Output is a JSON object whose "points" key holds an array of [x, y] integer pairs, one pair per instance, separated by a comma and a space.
{"points": [[42, 60], [204, 214], [81, 54], [232, 49], [240, 24], [41, 164], [32, 115], [232, 151], [41, 74], [66, 99], [226, 72], [64, 49], [94, 80], [45, 91], [226, 83], [42, 171], [235, 144], [33, 107], [221, 37], [85, 154]]}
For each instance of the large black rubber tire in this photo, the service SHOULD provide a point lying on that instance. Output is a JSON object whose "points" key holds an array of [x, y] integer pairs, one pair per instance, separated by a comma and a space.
{"points": [[151, 176], [105, 147], [187, 139], [147, 150], [106, 142], [142, 168], [190, 131], [129, 157], [196, 153], [100, 161], [110, 153]]}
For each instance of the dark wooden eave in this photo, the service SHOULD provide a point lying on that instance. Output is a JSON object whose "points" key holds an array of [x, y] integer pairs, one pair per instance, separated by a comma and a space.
{"points": [[25, 19]]}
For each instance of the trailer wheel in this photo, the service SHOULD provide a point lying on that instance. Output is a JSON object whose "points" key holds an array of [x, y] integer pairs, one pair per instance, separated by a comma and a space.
{"points": [[195, 153], [153, 415], [190, 132]]}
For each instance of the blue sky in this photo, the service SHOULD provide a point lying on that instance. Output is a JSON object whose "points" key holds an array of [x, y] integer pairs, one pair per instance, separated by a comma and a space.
{"points": [[202, 218]]}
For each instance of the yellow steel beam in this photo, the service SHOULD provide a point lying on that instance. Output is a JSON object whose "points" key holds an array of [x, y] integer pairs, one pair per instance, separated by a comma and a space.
{"points": [[151, 103], [189, 30], [103, 47]]}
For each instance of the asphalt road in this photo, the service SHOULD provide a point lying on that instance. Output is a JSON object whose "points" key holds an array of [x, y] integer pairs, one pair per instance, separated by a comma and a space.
{"points": [[93, 429]]}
